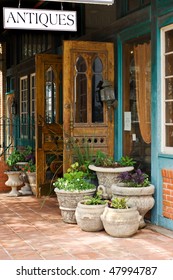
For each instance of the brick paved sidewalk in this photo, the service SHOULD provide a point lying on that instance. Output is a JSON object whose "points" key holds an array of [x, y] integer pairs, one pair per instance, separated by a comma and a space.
{"points": [[31, 232]]}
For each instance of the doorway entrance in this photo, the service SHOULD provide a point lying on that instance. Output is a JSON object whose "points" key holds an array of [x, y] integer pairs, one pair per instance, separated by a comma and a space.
{"points": [[78, 115]]}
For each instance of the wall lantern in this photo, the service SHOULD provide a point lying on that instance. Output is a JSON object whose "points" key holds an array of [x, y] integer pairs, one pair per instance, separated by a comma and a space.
{"points": [[107, 95], [13, 107]]}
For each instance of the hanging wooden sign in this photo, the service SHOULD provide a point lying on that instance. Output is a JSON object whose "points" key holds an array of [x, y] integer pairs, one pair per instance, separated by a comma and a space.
{"points": [[39, 19]]}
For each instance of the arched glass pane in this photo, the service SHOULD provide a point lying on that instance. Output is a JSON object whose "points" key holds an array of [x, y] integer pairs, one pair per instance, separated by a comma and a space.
{"points": [[50, 96], [97, 65], [81, 91], [97, 104], [81, 65]]}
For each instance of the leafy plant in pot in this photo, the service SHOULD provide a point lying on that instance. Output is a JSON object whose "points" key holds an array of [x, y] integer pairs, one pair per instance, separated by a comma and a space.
{"points": [[71, 189], [14, 181], [107, 170], [120, 219], [88, 212], [137, 189]]}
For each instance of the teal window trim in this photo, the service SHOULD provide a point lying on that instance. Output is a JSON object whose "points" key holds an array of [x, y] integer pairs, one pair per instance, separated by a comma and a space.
{"points": [[9, 92], [130, 33]]}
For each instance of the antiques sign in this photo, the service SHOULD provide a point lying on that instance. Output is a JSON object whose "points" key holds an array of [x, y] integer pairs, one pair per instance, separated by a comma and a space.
{"points": [[39, 19]]}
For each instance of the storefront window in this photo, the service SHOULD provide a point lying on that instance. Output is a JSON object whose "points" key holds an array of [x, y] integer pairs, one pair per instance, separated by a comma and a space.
{"points": [[137, 101], [167, 89]]}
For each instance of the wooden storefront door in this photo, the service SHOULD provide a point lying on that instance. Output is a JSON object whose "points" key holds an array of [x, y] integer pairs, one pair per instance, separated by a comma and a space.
{"points": [[85, 116], [49, 132]]}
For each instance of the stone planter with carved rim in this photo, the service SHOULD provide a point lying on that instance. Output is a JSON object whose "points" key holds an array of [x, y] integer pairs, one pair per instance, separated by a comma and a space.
{"points": [[68, 201], [14, 182], [120, 222], [108, 176], [88, 216], [142, 198]]}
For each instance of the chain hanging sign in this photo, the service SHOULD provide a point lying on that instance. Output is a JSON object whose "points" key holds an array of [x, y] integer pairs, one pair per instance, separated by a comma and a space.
{"points": [[39, 19], [101, 2]]}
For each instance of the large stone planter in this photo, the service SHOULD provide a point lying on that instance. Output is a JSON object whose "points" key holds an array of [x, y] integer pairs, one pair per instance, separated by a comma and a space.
{"points": [[120, 222], [14, 182], [142, 198], [108, 176], [88, 216], [68, 202], [32, 181]]}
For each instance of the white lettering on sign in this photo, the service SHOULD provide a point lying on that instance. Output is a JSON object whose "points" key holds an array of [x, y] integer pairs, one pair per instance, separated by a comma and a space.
{"points": [[39, 19]]}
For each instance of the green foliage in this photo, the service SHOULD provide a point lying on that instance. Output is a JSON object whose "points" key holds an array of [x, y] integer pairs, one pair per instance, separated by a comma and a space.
{"points": [[84, 156], [95, 200], [73, 180], [127, 161], [15, 156], [104, 160], [29, 167], [118, 203]]}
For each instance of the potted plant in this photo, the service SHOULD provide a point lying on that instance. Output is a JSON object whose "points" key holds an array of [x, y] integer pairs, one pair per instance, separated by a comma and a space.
{"points": [[137, 189], [30, 171], [14, 181], [70, 189], [107, 171], [88, 212], [16, 178], [120, 219]]}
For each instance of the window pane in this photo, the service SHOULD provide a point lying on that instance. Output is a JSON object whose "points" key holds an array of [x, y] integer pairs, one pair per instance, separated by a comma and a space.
{"points": [[169, 88], [169, 112], [169, 41], [81, 99], [50, 96], [97, 105], [169, 136], [169, 64], [81, 91]]}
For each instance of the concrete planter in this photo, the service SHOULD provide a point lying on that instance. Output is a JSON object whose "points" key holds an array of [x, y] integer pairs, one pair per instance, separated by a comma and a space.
{"points": [[14, 182], [108, 176], [32, 181], [68, 202], [120, 222], [142, 198], [88, 216]]}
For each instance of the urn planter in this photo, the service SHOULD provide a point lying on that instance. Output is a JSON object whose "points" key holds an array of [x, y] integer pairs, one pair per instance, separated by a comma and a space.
{"points": [[68, 201], [32, 181], [108, 176], [14, 182], [88, 216], [120, 222], [141, 197]]}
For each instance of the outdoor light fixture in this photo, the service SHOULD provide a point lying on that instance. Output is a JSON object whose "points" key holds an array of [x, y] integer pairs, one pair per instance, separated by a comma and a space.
{"points": [[107, 95]]}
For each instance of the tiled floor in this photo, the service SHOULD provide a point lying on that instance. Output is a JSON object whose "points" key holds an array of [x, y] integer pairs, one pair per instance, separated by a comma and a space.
{"points": [[33, 230]]}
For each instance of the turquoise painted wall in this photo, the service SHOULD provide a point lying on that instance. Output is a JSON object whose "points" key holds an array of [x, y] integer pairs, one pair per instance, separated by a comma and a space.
{"points": [[160, 13]]}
